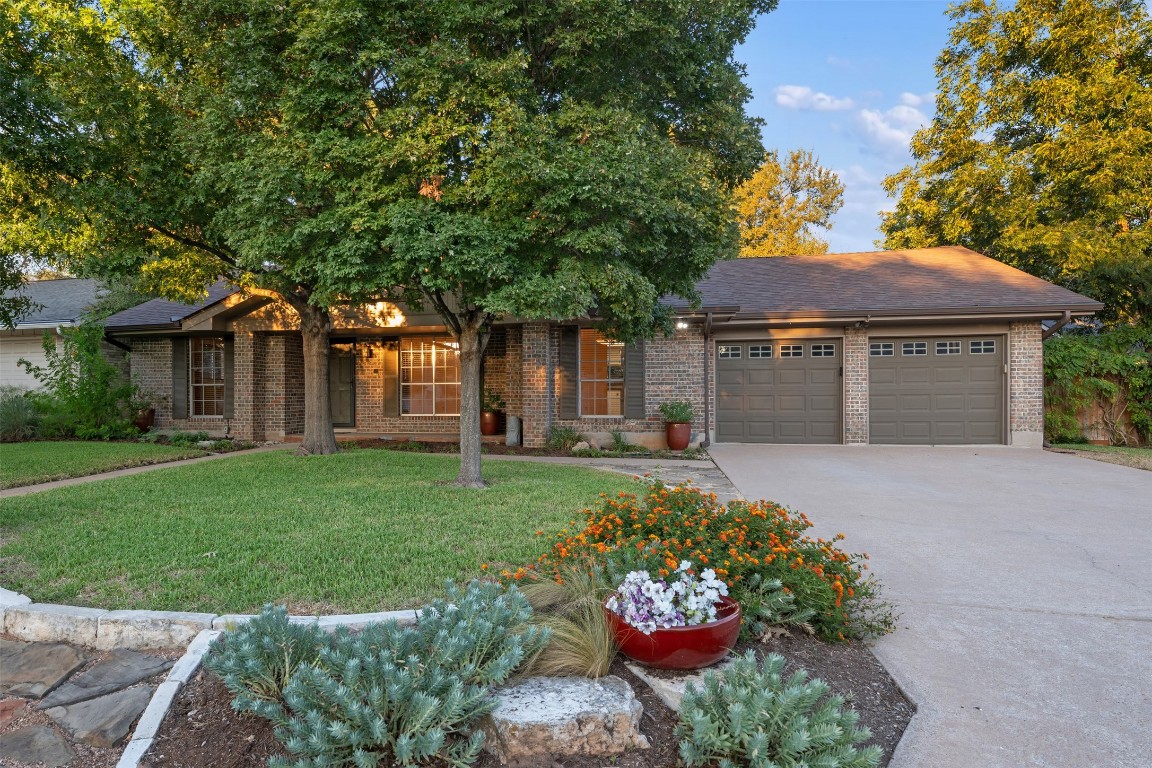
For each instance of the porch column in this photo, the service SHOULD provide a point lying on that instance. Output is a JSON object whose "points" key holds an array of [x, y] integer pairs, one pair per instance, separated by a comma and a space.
{"points": [[536, 391], [249, 352], [1026, 385]]}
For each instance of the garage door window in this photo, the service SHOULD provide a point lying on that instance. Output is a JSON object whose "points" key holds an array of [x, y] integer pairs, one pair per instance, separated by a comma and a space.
{"points": [[759, 351], [791, 350], [982, 347], [947, 347], [914, 348], [823, 350], [729, 352], [601, 375], [881, 349]]}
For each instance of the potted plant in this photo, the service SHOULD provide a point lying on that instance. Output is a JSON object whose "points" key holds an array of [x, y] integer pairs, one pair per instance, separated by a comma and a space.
{"points": [[491, 406], [143, 411], [678, 415], [685, 622]]}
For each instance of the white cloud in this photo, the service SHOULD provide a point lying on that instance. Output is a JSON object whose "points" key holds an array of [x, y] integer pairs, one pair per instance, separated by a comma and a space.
{"points": [[804, 98], [917, 99], [888, 132]]}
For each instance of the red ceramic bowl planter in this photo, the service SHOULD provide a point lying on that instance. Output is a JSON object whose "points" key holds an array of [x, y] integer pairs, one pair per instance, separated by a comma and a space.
{"points": [[680, 647]]}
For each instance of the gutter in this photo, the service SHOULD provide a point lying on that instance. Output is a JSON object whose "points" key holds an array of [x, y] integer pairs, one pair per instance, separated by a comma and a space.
{"points": [[1063, 321], [118, 344]]}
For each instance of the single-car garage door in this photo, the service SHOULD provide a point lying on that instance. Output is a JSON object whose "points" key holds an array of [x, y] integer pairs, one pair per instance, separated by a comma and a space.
{"points": [[936, 391], [12, 349], [778, 391]]}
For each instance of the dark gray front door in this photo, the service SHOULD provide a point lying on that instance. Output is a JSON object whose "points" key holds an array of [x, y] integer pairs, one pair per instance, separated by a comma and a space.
{"points": [[778, 391], [935, 390], [342, 383]]}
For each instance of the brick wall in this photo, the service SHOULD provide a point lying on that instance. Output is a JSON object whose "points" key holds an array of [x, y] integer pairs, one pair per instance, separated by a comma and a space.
{"points": [[283, 390], [151, 364], [537, 385], [855, 386], [1026, 385]]}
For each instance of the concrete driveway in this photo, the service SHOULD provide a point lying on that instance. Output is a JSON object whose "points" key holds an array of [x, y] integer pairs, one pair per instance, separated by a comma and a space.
{"points": [[1024, 580]]}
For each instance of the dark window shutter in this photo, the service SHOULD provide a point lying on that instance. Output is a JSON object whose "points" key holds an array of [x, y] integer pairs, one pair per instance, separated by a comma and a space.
{"points": [[229, 377], [179, 378], [634, 381], [391, 373], [569, 373]]}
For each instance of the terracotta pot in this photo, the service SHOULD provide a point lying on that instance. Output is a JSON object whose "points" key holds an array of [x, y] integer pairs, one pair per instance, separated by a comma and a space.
{"points": [[680, 647], [144, 419], [678, 435], [489, 423]]}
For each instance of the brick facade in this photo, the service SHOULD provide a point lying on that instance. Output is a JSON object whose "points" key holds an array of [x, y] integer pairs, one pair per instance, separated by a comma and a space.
{"points": [[855, 386], [522, 365], [1026, 385]]}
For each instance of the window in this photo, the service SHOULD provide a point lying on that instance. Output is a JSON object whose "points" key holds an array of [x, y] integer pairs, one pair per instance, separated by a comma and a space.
{"points": [[823, 350], [206, 376], [601, 375], [947, 347], [429, 377], [728, 352], [759, 351], [982, 347], [791, 350], [881, 349], [914, 348]]}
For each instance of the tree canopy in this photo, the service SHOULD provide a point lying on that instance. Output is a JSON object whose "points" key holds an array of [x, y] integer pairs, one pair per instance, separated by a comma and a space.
{"points": [[1040, 153], [542, 160], [783, 207]]}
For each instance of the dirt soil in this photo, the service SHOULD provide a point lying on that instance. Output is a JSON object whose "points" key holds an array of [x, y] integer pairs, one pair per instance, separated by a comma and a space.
{"points": [[1135, 458], [202, 730]]}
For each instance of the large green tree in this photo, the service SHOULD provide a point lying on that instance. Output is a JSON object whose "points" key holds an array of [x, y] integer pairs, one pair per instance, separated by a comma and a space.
{"points": [[540, 160], [1040, 153], [785, 206]]}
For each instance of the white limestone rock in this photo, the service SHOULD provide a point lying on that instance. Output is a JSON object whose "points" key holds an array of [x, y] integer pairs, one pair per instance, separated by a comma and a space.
{"points": [[545, 717]]}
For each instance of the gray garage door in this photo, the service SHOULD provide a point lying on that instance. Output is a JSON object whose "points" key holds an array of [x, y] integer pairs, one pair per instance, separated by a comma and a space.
{"points": [[778, 391], [936, 391]]}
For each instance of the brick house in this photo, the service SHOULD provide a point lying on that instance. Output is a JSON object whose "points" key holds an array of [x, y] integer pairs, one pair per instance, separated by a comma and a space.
{"points": [[927, 346]]}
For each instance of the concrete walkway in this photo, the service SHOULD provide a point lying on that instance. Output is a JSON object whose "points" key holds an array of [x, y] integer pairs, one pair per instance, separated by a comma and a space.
{"points": [[1022, 579]]}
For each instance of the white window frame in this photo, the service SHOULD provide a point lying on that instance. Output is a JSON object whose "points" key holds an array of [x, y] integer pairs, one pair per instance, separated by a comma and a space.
{"points": [[789, 351], [949, 347], [214, 368], [881, 349], [436, 346], [822, 349], [919, 349], [978, 347], [729, 351], [760, 351]]}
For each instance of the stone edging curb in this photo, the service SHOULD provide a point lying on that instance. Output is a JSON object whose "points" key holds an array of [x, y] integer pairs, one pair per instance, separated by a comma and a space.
{"points": [[140, 630]]}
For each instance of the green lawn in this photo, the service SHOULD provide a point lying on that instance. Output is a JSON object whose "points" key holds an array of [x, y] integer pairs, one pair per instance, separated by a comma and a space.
{"points": [[360, 531], [1140, 458], [41, 462]]}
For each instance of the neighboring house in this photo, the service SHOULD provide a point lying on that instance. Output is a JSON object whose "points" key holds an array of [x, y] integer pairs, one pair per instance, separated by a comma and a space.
{"points": [[56, 304], [929, 346]]}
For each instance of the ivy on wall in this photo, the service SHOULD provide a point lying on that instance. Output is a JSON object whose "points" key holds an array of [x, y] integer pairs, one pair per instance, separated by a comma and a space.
{"points": [[1112, 370]]}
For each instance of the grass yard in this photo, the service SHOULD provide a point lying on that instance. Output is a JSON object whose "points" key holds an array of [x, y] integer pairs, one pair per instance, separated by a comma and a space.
{"points": [[1140, 458], [42, 462], [358, 531]]}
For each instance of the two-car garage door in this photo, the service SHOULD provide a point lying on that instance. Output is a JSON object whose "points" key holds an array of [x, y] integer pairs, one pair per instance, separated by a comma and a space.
{"points": [[933, 390]]}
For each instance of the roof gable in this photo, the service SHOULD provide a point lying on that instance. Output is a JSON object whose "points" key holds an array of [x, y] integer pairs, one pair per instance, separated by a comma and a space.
{"points": [[161, 313]]}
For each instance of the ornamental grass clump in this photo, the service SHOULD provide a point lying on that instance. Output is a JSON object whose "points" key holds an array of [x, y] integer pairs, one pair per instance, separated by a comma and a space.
{"points": [[745, 716], [658, 529]]}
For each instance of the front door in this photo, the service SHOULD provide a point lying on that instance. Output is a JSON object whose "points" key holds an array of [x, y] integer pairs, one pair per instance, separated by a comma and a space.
{"points": [[342, 383]]}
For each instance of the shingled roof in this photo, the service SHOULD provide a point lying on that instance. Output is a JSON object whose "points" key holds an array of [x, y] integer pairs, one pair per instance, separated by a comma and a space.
{"points": [[936, 281], [56, 302], [162, 313]]}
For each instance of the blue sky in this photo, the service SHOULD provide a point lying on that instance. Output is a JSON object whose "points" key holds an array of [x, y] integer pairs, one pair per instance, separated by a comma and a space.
{"points": [[850, 80]]}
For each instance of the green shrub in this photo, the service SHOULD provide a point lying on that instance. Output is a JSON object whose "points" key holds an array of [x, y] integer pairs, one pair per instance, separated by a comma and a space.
{"points": [[19, 419], [563, 438], [677, 412], [389, 694], [83, 394], [1112, 368], [744, 716], [187, 439], [257, 659], [766, 604]]}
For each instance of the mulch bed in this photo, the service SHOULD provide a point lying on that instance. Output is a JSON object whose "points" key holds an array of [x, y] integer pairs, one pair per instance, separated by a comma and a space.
{"points": [[202, 730], [496, 449]]}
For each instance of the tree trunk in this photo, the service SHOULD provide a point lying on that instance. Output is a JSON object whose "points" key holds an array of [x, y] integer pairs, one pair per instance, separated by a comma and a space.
{"points": [[472, 341], [315, 327]]}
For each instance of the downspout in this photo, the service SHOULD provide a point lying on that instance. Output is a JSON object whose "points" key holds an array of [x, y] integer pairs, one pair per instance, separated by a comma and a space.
{"points": [[1063, 321], [707, 377]]}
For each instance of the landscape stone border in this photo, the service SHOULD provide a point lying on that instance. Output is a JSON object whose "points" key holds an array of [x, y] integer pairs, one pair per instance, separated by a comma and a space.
{"points": [[107, 630]]}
